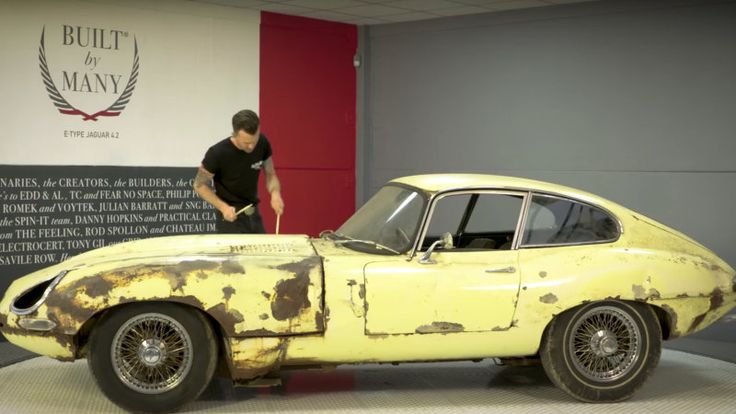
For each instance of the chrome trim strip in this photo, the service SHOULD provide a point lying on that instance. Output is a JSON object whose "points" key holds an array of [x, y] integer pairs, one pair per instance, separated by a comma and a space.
{"points": [[588, 243], [509, 269], [518, 235], [49, 288], [422, 225]]}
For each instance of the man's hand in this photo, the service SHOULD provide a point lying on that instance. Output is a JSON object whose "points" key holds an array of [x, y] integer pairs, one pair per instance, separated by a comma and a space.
{"points": [[277, 203], [228, 213]]}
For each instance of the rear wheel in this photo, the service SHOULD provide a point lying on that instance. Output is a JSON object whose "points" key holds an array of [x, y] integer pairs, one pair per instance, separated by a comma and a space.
{"points": [[152, 357], [602, 351]]}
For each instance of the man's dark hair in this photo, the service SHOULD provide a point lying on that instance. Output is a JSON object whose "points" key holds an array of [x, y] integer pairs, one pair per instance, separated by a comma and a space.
{"points": [[246, 120]]}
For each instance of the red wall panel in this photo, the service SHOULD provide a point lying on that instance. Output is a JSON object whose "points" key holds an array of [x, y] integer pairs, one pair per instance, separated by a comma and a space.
{"points": [[307, 109]]}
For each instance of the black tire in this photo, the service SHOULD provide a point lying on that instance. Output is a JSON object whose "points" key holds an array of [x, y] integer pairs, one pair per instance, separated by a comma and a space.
{"points": [[602, 351], [172, 336]]}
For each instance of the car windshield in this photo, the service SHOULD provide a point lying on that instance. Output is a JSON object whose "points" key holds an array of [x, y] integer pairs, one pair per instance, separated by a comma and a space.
{"points": [[390, 219]]}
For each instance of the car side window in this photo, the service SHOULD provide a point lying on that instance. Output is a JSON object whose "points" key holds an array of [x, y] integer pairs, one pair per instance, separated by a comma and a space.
{"points": [[558, 221], [491, 223], [495, 213], [446, 216]]}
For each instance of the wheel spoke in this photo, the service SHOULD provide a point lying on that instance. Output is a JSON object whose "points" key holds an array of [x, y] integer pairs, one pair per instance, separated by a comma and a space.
{"points": [[604, 344], [163, 342]]}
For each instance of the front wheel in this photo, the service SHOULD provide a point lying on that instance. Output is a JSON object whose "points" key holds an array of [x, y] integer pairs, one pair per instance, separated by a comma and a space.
{"points": [[602, 351], [152, 357]]}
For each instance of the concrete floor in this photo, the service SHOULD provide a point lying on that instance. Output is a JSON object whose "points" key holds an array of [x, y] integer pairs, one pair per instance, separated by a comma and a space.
{"points": [[683, 383]]}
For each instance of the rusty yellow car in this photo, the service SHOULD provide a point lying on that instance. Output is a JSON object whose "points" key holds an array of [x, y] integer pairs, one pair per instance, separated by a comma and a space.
{"points": [[432, 268]]}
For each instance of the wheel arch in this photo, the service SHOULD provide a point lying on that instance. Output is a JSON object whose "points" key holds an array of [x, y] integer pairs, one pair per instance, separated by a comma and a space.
{"points": [[81, 338], [664, 318]]}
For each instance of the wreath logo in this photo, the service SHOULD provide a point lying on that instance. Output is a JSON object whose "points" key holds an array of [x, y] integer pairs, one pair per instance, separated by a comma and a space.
{"points": [[66, 108]]}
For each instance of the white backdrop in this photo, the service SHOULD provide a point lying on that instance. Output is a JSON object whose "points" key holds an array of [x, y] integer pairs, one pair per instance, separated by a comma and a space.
{"points": [[198, 64]]}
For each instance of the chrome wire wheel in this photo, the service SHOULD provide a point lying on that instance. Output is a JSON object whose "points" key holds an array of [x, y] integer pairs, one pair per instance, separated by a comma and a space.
{"points": [[605, 343], [151, 353]]}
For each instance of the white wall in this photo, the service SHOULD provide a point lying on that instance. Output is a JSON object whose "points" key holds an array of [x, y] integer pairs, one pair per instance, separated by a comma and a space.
{"points": [[198, 65]]}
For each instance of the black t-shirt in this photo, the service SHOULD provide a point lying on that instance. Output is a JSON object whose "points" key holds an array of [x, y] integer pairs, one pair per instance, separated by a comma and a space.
{"points": [[236, 171]]}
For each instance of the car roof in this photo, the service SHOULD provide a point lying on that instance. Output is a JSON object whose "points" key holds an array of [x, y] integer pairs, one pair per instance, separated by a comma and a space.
{"points": [[435, 183]]}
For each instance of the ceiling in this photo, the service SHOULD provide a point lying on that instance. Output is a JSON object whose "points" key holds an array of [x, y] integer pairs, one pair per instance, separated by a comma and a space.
{"points": [[369, 12]]}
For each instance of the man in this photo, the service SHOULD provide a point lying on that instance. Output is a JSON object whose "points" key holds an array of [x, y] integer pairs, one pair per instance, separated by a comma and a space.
{"points": [[234, 165]]}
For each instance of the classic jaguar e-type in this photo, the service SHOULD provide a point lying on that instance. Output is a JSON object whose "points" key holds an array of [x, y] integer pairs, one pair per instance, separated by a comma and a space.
{"points": [[431, 268]]}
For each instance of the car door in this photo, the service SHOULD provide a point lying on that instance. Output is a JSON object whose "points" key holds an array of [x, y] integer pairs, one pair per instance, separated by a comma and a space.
{"points": [[471, 287]]}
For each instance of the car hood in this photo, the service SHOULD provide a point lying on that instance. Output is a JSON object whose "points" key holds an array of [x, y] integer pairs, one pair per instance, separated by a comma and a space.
{"points": [[176, 248]]}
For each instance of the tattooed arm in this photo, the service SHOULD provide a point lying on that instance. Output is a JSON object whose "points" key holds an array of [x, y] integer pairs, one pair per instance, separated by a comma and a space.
{"points": [[203, 187]]}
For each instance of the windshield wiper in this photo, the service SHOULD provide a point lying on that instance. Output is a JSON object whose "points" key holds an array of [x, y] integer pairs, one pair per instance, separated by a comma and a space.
{"points": [[331, 235], [347, 239]]}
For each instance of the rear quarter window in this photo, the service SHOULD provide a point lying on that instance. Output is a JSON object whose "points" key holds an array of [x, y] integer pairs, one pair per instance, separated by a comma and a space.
{"points": [[559, 221]]}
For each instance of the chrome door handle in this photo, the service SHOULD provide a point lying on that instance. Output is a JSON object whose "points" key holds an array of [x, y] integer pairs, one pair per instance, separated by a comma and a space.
{"points": [[509, 269]]}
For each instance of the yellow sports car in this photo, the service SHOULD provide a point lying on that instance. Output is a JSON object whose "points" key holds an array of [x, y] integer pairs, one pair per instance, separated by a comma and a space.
{"points": [[433, 267]]}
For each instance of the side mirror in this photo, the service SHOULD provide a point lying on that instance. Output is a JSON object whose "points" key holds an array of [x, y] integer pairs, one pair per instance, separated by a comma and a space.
{"points": [[444, 242]]}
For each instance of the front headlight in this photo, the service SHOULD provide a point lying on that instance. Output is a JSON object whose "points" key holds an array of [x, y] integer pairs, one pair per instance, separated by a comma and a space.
{"points": [[28, 301]]}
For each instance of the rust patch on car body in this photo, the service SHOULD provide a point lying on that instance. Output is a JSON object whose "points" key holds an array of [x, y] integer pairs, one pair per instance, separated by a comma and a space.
{"points": [[500, 329], [639, 292], [361, 291], [264, 316], [716, 301], [319, 321], [226, 316], [549, 298], [228, 292], [291, 294], [231, 267], [697, 321], [188, 266], [100, 289], [260, 332], [440, 327], [542, 274], [672, 314], [291, 298], [256, 357]]}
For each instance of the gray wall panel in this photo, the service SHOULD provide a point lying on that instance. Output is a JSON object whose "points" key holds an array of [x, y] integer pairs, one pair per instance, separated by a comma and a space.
{"points": [[634, 102]]}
